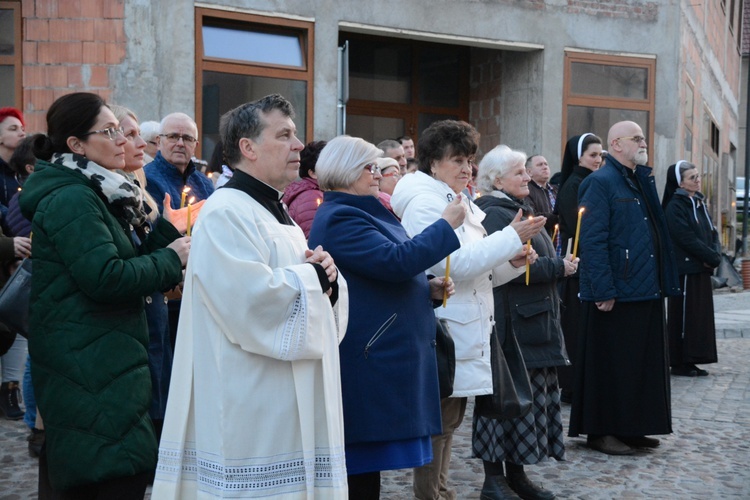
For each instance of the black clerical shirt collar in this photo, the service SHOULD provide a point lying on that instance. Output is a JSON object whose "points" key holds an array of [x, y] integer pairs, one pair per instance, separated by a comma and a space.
{"points": [[267, 196]]}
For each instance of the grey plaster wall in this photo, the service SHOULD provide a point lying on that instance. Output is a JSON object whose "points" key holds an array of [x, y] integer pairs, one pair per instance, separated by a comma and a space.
{"points": [[158, 75], [522, 111]]}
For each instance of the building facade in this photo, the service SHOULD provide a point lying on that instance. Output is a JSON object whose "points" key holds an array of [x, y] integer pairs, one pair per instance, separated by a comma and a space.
{"points": [[527, 73]]}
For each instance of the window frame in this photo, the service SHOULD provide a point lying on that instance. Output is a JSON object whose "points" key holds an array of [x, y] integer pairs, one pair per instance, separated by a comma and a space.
{"points": [[409, 112], [16, 60], [606, 102], [268, 24]]}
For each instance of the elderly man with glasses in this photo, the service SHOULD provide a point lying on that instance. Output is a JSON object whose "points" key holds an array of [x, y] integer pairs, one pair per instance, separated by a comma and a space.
{"points": [[622, 391], [173, 170], [173, 173]]}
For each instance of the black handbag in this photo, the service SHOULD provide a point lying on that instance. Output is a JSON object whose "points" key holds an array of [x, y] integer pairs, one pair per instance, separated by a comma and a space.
{"points": [[445, 352], [14, 300], [511, 389]]}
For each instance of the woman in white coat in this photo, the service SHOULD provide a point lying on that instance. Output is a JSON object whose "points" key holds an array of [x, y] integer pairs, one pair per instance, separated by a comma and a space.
{"points": [[446, 155]]}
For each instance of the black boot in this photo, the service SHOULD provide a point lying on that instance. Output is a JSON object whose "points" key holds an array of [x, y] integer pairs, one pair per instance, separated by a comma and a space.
{"points": [[495, 486], [36, 441], [10, 399], [522, 485]]}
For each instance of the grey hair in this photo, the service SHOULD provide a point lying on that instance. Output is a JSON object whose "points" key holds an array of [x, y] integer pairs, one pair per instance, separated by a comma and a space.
{"points": [[150, 130], [341, 162], [388, 144], [497, 163], [246, 121], [179, 116]]}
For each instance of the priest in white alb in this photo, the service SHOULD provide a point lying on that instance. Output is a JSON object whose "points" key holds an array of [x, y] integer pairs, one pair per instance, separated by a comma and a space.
{"points": [[255, 400]]}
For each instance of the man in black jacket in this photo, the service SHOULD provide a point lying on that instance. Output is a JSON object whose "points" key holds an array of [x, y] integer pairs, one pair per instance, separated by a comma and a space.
{"points": [[542, 194]]}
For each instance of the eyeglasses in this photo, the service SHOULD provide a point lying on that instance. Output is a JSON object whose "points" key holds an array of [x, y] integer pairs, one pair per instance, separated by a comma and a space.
{"points": [[110, 132], [395, 173], [373, 168], [187, 139], [635, 138], [695, 177]]}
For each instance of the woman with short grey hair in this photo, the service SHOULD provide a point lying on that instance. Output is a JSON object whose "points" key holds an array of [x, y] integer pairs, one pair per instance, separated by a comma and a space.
{"points": [[389, 379], [530, 308], [338, 163], [497, 163]]}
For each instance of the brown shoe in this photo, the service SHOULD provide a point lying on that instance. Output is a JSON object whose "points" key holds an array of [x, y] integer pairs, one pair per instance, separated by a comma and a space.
{"points": [[639, 441], [609, 445]]}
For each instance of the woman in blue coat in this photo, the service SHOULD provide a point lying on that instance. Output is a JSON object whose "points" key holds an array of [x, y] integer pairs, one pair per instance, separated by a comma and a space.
{"points": [[388, 370]]}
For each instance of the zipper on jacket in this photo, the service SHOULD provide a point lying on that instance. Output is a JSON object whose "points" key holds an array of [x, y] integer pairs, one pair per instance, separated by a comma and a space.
{"points": [[627, 260], [380, 332]]}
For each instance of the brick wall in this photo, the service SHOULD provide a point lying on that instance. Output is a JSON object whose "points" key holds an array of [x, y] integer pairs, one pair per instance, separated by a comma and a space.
{"points": [[68, 46], [620, 9]]}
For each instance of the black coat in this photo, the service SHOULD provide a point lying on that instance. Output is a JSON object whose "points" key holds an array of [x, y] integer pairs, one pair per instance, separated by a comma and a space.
{"points": [[694, 238], [567, 204], [539, 202], [534, 309]]}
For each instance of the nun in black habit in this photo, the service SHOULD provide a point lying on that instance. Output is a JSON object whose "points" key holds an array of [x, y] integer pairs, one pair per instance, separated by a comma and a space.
{"points": [[582, 156], [690, 325]]}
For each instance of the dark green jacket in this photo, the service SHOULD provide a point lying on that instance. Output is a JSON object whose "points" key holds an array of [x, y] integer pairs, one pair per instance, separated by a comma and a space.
{"points": [[89, 340]]}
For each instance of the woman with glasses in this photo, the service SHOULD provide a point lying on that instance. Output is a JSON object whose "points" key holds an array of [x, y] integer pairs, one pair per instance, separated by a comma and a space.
{"points": [[389, 378], [446, 157], [88, 334], [692, 333]]}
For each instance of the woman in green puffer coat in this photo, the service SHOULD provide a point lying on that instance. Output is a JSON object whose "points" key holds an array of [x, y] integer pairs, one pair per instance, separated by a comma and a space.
{"points": [[88, 340]]}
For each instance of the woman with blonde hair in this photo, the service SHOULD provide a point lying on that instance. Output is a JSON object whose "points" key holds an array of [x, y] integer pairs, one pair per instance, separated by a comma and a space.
{"points": [[173, 225]]}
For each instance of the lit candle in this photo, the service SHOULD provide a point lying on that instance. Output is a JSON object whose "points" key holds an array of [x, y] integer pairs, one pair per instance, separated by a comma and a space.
{"points": [[447, 275], [190, 214], [528, 264], [184, 194], [318, 201], [554, 235], [578, 233]]}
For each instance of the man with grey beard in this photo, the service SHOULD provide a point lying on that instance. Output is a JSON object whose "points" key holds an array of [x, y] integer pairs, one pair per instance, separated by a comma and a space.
{"points": [[622, 391]]}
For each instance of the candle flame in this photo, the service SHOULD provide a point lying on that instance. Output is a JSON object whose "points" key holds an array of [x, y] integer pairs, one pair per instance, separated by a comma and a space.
{"points": [[318, 201], [191, 200], [581, 210], [186, 189]]}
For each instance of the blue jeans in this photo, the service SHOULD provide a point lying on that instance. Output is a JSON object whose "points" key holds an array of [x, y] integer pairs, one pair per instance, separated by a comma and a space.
{"points": [[28, 395], [12, 361]]}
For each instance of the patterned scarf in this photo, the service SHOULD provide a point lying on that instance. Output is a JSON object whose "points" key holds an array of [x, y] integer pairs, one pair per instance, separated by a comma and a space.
{"points": [[123, 196]]}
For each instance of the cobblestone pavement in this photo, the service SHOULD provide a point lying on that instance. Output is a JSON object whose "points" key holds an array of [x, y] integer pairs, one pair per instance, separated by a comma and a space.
{"points": [[705, 458]]}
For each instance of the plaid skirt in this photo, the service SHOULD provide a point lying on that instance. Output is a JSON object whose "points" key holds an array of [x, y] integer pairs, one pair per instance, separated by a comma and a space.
{"points": [[529, 439]]}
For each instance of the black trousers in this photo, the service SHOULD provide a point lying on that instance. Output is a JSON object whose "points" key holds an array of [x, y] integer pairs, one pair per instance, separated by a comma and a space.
{"points": [[364, 486], [120, 488]]}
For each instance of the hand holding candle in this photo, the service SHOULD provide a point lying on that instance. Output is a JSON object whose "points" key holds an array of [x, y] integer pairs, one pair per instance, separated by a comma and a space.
{"points": [[447, 275], [578, 232]]}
